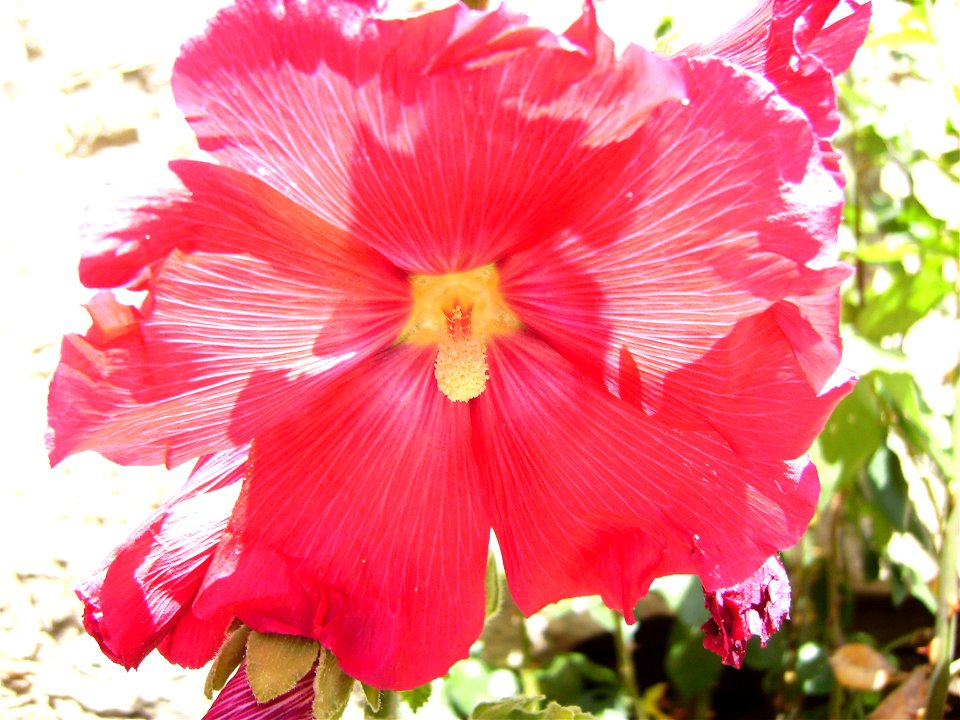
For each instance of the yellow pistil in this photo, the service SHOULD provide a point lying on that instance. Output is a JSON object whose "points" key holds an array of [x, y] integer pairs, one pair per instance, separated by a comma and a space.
{"points": [[457, 312]]}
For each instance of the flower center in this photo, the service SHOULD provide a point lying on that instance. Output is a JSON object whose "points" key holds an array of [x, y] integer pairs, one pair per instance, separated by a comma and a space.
{"points": [[457, 312]]}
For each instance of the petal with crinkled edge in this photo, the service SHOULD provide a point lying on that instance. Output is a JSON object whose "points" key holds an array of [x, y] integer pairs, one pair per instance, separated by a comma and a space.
{"points": [[591, 496], [361, 526], [253, 305], [800, 46], [690, 257], [443, 141], [140, 598]]}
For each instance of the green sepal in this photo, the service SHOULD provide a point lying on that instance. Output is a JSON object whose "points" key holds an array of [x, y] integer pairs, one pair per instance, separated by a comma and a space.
{"points": [[227, 659], [516, 708], [331, 688], [416, 698], [492, 584], [275, 663], [372, 695]]}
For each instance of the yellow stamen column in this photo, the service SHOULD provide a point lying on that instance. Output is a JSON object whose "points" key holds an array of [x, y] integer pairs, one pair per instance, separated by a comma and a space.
{"points": [[461, 364], [458, 312]]}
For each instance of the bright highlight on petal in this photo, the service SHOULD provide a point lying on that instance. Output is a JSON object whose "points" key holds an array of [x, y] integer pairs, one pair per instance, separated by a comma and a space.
{"points": [[458, 312]]}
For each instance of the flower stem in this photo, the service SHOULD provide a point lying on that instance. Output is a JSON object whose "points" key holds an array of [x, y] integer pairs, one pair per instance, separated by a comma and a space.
{"points": [[389, 706], [948, 605], [834, 623], [529, 682], [945, 630], [625, 667]]}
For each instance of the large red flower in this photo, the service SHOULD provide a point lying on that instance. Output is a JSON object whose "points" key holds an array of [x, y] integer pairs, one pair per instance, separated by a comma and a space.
{"points": [[454, 273]]}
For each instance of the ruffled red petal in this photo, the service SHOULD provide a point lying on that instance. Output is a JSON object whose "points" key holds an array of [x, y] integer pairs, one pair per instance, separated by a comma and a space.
{"points": [[591, 496], [698, 288], [141, 596], [752, 390], [443, 141], [236, 701], [755, 607], [800, 46], [361, 526], [253, 305]]}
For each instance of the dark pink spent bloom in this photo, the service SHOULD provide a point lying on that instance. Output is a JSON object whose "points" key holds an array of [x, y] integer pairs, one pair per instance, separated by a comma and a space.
{"points": [[800, 46], [452, 273], [755, 607]]}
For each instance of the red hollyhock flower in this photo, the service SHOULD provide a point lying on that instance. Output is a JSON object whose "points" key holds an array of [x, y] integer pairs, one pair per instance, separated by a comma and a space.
{"points": [[454, 273], [757, 606]]}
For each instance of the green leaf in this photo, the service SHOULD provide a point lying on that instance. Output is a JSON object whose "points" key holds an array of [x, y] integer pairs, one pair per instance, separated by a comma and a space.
{"points": [[769, 657], [683, 594], [813, 669], [416, 697], [854, 432], [887, 493], [573, 679], [331, 687], [275, 663], [900, 392], [554, 711], [690, 666], [893, 249], [372, 695], [664, 28], [518, 708], [914, 30], [926, 490], [492, 584], [227, 660], [907, 299], [507, 708], [907, 575], [900, 39], [466, 684]]}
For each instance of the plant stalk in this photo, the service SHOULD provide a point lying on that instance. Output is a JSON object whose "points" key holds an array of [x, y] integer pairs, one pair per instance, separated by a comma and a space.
{"points": [[948, 604], [625, 666], [389, 706]]}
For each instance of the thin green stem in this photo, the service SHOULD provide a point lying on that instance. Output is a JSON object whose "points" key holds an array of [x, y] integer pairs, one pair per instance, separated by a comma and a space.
{"points": [[948, 605], [625, 666], [946, 622], [834, 571], [529, 682], [389, 706], [530, 685]]}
